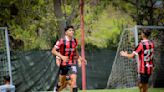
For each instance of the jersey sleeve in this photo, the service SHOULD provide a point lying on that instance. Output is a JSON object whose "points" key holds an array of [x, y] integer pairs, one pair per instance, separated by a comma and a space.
{"points": [[58, 44], [138, 49]]}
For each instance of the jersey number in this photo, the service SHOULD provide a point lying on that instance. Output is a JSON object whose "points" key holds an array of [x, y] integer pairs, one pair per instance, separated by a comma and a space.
{"points": [[148, 53]]}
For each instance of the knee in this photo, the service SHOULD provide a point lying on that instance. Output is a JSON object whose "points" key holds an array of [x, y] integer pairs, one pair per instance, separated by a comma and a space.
{"points": [[73, 80], [140, 85], [73, 83], [64, 85]]}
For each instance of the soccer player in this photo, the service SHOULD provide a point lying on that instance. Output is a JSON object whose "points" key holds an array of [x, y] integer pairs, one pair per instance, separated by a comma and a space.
{"points": [[144, 51], [67, 52]]}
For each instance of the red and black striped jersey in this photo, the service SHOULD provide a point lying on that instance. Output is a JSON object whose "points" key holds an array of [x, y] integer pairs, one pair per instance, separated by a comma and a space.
{"points": [[145, 51], [67, 47]]}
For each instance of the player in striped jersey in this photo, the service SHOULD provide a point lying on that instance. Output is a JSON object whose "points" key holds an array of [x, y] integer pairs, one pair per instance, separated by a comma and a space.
{"points": [[67, 52], [144, 51]]}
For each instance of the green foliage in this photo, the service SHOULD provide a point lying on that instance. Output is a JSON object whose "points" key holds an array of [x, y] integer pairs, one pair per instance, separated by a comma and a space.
{"points": [[31, 21], [34, 23], [144, 12], [104, 31]]}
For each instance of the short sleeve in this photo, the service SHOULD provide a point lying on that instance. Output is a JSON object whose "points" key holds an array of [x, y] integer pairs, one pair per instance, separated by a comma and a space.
{"points": [[58, 44], [138, 49]]}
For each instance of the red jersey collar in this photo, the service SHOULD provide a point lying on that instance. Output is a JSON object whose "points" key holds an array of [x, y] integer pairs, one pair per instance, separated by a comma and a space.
{"points": [[144, 40]]}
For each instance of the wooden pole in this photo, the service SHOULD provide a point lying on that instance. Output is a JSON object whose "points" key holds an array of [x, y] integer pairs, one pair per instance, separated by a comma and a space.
{"points": [[82, 45]]}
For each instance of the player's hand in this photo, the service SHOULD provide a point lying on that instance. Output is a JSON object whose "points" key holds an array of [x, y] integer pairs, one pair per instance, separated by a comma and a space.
{"points": [[58, 63], [85, 61], [79, 63], [123, 53], [80, 60], [65, 58]]}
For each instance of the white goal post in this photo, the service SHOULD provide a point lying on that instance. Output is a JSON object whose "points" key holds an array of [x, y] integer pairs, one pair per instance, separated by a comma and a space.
{"points": [[5, 49]]}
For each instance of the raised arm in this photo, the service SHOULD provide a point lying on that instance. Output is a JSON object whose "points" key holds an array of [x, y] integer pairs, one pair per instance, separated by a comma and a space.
{"points": [[125, 54]]}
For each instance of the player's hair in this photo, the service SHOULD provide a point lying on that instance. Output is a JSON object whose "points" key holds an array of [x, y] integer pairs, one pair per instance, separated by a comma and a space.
{"points": [[146, 32], [7, 78], [68, 28]]}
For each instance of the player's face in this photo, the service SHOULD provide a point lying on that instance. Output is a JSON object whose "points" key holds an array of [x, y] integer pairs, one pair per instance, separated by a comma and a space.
{"points": [[142, 34], [70, 32]]}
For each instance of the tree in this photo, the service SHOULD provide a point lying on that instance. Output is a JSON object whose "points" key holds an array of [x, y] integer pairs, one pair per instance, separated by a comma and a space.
{"points": [[144, 12], [65, 11], [31, 23]]}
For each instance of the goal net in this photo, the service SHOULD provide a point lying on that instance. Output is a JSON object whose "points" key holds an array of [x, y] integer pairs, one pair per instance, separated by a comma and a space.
{"points": [[124, 71], [5, 65]]}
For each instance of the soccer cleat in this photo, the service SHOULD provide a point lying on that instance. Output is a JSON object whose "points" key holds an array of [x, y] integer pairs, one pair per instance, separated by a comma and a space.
{"points": [[54, 89], [75, 89]]}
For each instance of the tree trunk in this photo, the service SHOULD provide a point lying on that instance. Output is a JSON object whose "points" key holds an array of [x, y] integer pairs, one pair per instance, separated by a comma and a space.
{"points": [[60, 17]]}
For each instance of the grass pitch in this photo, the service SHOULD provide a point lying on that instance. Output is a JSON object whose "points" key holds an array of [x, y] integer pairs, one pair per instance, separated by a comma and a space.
{"points": [[116, 90], [126, 90]]}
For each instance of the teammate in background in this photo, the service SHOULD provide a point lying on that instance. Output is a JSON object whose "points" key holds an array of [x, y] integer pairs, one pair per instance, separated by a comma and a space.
{"points": [[144, 51], [7, 87], [67, 52]]}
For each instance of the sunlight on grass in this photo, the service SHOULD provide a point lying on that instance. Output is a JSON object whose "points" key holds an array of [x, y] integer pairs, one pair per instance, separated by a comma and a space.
{"points": [[127, 90], [117, 90]]}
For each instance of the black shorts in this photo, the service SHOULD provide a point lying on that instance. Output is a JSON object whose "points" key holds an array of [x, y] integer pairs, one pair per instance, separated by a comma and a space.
{"points": [[144, 78], [67, 70]]}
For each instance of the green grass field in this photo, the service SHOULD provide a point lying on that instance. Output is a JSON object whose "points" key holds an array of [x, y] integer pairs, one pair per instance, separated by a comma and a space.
{"points": [[117, 90], [124, 90], [127, 90]]}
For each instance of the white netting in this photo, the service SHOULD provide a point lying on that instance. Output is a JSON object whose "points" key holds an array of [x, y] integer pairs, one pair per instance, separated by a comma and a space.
{"points": [[124, 71]]}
